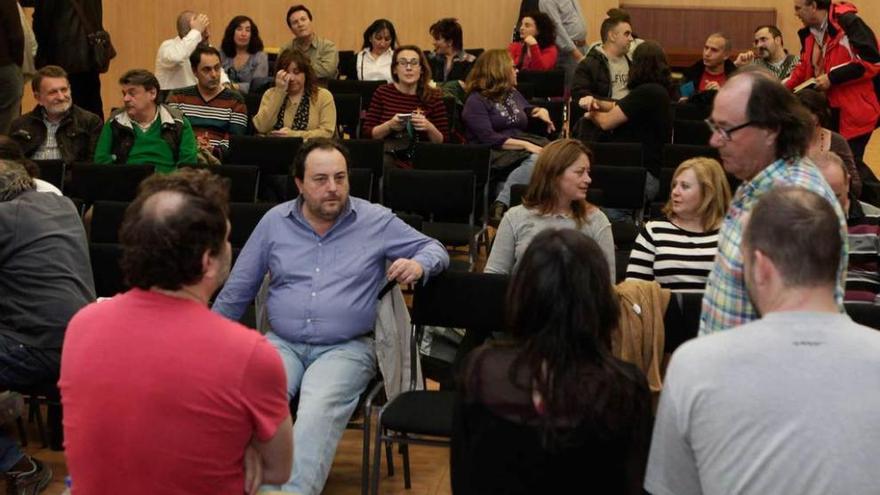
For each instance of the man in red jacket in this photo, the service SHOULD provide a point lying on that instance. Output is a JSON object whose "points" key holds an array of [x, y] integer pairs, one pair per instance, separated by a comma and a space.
{"points": [[840, 52]]}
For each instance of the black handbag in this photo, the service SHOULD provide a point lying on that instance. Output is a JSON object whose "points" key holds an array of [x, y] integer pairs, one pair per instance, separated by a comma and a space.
{"points": [[102, 50], [508, 159]]}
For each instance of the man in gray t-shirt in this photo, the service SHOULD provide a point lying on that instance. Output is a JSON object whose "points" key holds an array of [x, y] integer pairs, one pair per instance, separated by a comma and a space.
{"points": [[787, 403]]}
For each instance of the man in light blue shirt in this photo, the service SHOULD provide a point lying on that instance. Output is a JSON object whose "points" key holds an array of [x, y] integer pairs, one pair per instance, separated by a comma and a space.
{"points": [[326, 253]]}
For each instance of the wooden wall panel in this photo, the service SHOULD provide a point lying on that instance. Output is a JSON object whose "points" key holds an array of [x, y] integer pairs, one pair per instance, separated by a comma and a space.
{"points": [[138, 27]]}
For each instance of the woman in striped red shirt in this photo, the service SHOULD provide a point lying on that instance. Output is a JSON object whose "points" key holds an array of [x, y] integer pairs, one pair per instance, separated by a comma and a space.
{"points": [[407, 110]]}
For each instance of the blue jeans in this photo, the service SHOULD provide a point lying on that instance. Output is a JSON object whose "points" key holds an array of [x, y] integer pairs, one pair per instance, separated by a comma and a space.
{"points": [[520, 175], [21, 368], [330, 380]]}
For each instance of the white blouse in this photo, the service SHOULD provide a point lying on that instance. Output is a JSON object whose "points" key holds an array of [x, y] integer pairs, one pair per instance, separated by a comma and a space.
{"points": [[370, 68]]}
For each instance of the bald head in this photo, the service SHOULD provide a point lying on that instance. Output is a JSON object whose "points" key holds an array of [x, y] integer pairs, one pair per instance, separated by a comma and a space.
{"points": [[183, 22], [836, 175]]}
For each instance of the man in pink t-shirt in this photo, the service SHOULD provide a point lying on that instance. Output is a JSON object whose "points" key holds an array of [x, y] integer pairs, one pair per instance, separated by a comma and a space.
{"points": [[160, 394]]}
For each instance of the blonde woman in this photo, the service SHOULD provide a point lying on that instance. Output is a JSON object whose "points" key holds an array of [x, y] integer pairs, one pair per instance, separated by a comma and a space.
{"points": [[556, 198], [679, 252]]}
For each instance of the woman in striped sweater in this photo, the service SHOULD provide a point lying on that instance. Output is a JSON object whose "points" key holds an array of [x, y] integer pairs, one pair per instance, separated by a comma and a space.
{"points": [[679, 252]]}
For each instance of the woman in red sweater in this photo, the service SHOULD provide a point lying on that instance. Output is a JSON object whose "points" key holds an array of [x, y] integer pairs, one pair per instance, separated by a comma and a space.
{"points": [[537, 50]]}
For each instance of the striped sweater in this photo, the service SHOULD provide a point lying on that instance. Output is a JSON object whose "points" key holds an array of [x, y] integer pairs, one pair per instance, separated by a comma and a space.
{"points": [[677, 259], [388, 101], [224, 115]]}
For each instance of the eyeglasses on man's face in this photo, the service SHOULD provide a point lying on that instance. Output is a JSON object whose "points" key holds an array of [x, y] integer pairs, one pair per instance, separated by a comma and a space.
{"points": [[725, 133]]}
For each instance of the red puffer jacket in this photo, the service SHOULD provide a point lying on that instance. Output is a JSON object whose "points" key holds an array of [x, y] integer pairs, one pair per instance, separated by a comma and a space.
{"points": [[851, 62]]}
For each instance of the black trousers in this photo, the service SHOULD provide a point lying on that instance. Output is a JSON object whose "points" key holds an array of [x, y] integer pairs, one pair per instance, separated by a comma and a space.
{"points": [[86, 89]]}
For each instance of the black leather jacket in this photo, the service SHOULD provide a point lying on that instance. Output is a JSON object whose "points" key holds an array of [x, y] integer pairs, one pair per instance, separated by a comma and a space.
{"points": [[77, 133]]}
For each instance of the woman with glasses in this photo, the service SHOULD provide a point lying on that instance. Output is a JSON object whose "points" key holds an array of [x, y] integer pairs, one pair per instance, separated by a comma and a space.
{"points": [[536, 49], [296, 106], [241, 53], [550, 409], [408, 109], [679, 251], [374, 60], [642, 116]]}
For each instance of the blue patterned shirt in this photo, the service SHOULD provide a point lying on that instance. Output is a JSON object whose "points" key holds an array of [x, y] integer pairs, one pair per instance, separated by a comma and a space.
{"points": [[324, 289], [726, 303]]}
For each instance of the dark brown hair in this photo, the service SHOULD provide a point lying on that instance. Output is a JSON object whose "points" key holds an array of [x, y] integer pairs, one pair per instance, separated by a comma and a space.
{"points": [[772, 106], [255, 44], [164, 247], [423, 88], [140, 77], [47, 71], [449, 29], [299, 161]]}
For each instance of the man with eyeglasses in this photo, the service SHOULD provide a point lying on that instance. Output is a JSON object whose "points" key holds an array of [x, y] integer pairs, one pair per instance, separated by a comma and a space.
{"points": [[762, 134]]}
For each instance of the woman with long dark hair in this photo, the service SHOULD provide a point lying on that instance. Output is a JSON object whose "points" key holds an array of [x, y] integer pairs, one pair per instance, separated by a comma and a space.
{"points": [[642, 116], [537, 49], [552, 409], [374, 60], [241, 53], [296, 106]]}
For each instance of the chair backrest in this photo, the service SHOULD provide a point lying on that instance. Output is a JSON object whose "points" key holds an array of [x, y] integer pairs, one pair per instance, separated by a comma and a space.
{"points": [[447, 156], [690, 132], [347, 65], [674, 154], [273, 155], [475, 301], [363, 88], [867, 314], [244, 217], [436, 195], [107, 218], [348, 114], [243, 180], [360, 182], [556, 108], [622, 187], [476, 52], [690, 111], [106, 270], [52, 171], [90, 182], [368, 154], [548, 84], [617, 154]]}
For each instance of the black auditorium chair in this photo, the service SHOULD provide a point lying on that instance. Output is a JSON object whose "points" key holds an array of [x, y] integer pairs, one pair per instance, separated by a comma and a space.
{"points": [[472, 301], [690, 111], [674, 154], [348, 114], [90, 182], [556, 108], [243, 218], [347, 65], [274, 157], [360, 181], [52, 171], [107, 218], [622, 187], [547, 84], [244, 180], [617, 154], [105, 259], [690, 132], [363, 88], [368, 154]]}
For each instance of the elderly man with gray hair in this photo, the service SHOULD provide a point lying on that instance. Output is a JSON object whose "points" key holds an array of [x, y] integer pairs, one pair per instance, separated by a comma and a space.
{"points": [[45, 277]]}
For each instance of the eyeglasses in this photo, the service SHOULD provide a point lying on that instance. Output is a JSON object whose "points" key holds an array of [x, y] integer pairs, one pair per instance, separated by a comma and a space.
{"points": [[725, 133], [409, 63]]}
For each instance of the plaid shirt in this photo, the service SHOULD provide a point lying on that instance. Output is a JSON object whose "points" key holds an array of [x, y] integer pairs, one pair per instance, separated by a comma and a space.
{"points": [[726, 303]]}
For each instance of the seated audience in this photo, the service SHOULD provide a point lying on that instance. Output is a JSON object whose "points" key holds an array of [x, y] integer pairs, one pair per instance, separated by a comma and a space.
{"points": [[326, 342], [216, 424], [215, 112], [320, 52], [556, 198], [144, 131], [173, 70], [45, 277], [296, 106], [495, 113], [408, 109], [449, 61], [241, 53], [754, 409], [604, 72], [710, 73], [769, 53], [678, 252], [824, 139], [551, 408], [56, 129], [537, 50], [374, 60], [642, 116], [10, 150], [863, 227]]}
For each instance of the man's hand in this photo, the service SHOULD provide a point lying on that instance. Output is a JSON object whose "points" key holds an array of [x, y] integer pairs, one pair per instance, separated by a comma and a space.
{"points": [[744, 58], [253, 470], [712, 85], [405, 271], [823, 83], [199, 22]]}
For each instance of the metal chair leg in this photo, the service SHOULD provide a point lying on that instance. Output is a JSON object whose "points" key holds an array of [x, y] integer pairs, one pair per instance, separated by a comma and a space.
{"points": [[404, 451], [377, 457]]}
